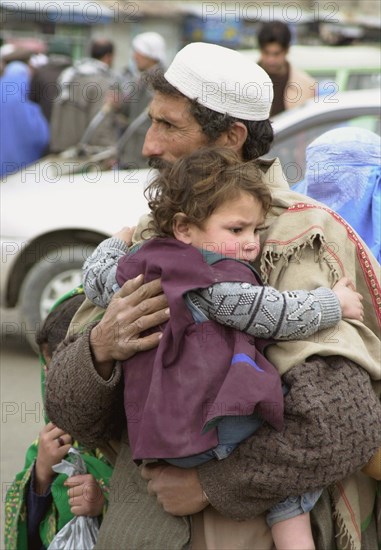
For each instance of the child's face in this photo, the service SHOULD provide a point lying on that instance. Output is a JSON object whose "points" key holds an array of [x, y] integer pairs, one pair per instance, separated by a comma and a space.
{"points": [[232, 229]]}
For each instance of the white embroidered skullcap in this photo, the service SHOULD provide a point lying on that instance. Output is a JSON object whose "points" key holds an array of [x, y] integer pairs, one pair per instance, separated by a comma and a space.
{"points": [[150, 44], [222, 80], [6, 50]]}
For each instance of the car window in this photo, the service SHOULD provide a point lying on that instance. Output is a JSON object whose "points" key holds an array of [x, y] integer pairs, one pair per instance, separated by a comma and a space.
{"points": [[291, 149], [363, 81], [326, 76]]}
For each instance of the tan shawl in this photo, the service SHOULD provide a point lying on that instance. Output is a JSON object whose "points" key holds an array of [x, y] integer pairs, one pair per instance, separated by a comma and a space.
{"points": [[305, 246]]}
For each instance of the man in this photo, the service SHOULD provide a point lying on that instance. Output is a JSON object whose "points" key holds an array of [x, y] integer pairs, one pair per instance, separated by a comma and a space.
{"points": [[43, 86], [212, 95], [292, 87], [83, 91], [149, 56]]}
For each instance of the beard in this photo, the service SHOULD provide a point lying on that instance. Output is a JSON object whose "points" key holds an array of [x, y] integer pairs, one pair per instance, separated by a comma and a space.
{"points": [[158, 163]]}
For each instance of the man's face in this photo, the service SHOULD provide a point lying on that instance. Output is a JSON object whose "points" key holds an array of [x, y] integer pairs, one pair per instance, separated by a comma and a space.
{"points": [[142, 61], [174, 132], [273, 58]]}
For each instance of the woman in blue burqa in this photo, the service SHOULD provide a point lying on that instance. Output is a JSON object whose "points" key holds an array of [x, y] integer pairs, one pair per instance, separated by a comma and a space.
{"points": [[24, 131], [343, 171]]}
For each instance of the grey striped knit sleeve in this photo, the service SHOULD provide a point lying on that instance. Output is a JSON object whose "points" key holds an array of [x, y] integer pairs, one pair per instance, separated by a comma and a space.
{"points": [[265, 312], [99, 271]]}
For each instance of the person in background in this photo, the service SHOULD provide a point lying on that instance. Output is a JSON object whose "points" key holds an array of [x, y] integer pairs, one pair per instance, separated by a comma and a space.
{"points": [[149, 51], [40, 502], [44, 89], [5, 51], [343, 171], [292, 87], [10, 53], [24, 131], [149, 55], [83, 89]]}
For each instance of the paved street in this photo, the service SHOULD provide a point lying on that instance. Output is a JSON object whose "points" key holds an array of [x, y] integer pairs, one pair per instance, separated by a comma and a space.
{"points": [[21, 407]]}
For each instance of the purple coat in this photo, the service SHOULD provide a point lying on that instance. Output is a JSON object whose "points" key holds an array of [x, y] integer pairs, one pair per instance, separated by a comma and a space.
{"points": [[175, 394]]}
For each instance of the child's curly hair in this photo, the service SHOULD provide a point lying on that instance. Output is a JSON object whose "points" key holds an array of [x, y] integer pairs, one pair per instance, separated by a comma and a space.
{"points": [[199, 183]]}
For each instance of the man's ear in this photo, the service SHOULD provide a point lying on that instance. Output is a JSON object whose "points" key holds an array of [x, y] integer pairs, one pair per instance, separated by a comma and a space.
{"points": [[234, 137], [181, 229]]}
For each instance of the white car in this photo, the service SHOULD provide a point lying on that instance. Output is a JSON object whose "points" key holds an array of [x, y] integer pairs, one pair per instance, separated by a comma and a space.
{"points": [[297, 128], [51, 221], [49, 227]]}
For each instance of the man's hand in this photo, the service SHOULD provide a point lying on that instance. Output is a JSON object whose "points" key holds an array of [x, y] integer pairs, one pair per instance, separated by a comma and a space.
{"points": [[178, 490], [135, 308], [85, 495]]}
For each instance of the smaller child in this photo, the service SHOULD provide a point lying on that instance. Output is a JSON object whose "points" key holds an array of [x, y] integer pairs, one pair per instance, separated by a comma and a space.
{"points": [[40, 502], [208, 387]]}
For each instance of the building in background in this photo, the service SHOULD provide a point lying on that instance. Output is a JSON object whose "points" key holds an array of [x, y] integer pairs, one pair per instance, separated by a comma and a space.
{"points": [[44, 20], [232, 24]]}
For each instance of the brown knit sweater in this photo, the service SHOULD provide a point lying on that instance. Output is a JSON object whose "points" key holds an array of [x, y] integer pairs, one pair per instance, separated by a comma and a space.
{"points": [[332, 428]]}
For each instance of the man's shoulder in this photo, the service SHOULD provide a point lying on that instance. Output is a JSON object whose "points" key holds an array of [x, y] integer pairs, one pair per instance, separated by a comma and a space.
{"points": [[265, 164], [273, 173]]}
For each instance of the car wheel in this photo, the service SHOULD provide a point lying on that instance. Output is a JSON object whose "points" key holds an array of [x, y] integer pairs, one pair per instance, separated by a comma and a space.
{"points": [[46, 282]]}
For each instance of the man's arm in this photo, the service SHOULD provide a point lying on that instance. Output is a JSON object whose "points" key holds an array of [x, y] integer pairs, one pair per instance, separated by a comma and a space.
{"points": [[332, 419], [84, 387]]}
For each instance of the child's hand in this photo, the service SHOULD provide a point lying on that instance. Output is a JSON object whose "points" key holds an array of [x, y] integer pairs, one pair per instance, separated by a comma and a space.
{"points": [[85, 495], [53, 445], [125, 234], [350, 300]]}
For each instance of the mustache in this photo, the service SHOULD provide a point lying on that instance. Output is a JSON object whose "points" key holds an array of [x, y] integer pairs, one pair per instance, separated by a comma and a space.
{"points": [[158, 163]]}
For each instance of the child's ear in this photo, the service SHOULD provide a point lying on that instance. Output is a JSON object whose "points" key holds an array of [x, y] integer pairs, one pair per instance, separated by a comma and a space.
{"points": [[181, 228]]}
